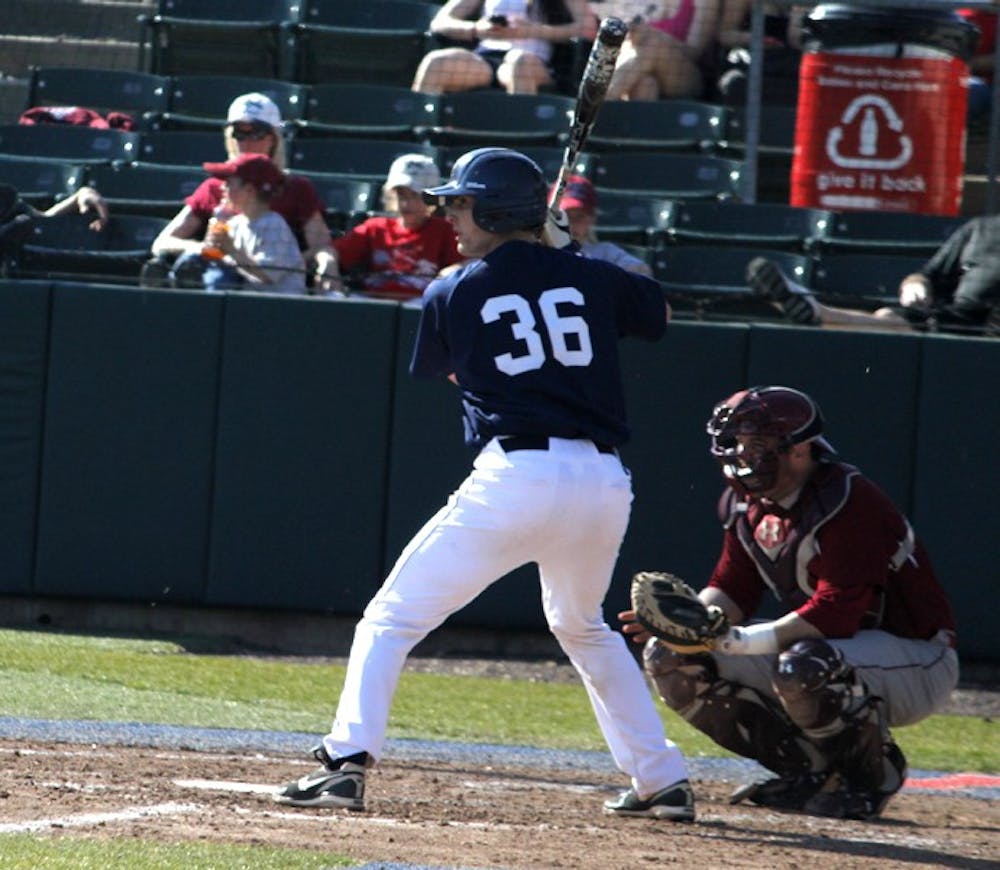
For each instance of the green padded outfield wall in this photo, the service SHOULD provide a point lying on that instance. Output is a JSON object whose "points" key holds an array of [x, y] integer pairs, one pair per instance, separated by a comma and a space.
{"points": [[303, 434], [128, 444], [24, 329], [957, 477], [246, 450]]}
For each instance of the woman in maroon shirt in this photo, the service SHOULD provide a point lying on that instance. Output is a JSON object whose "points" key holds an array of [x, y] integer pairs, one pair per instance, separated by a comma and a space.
{"points": [[253, 126]]}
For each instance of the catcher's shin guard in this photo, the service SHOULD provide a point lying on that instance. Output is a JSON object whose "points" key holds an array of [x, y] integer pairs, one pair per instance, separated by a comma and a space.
{"points": [[817, 687], [826, 698], [736, 717]]}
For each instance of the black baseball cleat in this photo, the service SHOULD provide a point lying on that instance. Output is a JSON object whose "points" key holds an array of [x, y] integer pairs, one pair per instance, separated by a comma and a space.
{"points": [[675, 802], [852, 802], [340, 782], [782, 792], [767, 281]]}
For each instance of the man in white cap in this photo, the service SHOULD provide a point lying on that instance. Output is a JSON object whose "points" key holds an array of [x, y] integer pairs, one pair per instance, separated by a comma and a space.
{"points": [[397, 254], [253, 126]]}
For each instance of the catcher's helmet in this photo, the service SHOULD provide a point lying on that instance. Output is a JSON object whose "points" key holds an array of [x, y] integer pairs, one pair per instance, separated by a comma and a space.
{"points": [[509, 189], [788, 415]]}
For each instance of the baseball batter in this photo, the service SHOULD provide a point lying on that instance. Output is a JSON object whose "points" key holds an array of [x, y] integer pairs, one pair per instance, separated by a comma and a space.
{"points": [[868, 637], [529, 334]]}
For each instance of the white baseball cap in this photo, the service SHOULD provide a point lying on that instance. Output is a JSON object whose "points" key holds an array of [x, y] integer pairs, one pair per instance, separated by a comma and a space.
{"points": [[254, 107], [415, 171]]}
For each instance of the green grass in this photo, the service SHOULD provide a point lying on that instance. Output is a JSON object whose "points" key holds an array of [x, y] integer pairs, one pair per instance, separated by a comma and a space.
{"points": [[78, 853], [56, 675]]}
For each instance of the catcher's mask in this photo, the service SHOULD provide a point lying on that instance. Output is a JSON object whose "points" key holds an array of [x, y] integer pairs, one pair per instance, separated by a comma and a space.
{"points": [[752, 428]]}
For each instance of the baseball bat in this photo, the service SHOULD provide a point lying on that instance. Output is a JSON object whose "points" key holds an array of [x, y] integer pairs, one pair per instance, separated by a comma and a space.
{"points": [[590, 96]]}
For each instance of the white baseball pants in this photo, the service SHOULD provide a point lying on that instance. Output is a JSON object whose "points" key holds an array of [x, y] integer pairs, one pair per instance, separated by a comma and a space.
{"points": [[566, 508]]}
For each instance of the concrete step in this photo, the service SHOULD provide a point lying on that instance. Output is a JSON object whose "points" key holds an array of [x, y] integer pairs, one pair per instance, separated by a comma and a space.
{"points": [[18, 53], [89, 19]]}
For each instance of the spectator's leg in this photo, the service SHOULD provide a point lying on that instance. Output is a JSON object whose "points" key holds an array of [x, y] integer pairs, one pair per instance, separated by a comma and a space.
{"points": [[523, 72], [451, 69]]}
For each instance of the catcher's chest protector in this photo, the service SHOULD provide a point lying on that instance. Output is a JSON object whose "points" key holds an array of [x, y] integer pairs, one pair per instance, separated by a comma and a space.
{"points": [[781, 543]]}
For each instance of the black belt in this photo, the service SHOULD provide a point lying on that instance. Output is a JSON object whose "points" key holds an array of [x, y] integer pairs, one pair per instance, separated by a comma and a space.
{"points": [[510, 443]]}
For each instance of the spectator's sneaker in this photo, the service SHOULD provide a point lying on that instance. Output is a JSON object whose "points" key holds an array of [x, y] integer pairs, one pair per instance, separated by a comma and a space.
{"points": [[767, 281], [783, 792], [675, 802], [340, 782]]}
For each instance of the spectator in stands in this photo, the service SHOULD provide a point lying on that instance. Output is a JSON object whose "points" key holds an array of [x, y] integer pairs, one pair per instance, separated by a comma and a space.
{"points": [[665, 52], [579, 201], [782, 51], [395, 255], [253, 249], [17, 216], [956, 290], [982, 63], [253, 126], [513, 44]]}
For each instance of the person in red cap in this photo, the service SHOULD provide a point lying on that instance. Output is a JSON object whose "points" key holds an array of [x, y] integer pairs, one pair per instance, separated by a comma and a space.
{"points": [[253, 126], [579, 201], [255, 248]]}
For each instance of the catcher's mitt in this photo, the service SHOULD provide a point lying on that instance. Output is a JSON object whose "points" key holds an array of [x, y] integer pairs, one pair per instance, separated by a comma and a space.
{"points": [[670, 609]]}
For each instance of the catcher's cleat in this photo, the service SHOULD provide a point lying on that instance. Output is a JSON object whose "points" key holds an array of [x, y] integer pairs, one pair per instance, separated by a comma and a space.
{"points": [[783, 792], [675, 802], [847, 802], [340, 782], [767, 281]]}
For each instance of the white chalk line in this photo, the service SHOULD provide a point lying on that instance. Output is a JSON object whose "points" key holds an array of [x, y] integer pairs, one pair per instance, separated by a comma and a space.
{"points": [[84, 820], [228, 786]]}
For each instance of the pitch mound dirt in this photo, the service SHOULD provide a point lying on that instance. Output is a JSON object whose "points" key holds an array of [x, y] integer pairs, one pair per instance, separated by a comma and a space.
{"points": [[461, 815]]}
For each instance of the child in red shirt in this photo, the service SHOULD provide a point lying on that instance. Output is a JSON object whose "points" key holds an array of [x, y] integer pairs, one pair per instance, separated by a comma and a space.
{"points": [[398, 254]]}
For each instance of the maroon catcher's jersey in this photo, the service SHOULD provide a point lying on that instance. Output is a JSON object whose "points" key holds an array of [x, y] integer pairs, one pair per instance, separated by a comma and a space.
{"points": [[842, 557]]}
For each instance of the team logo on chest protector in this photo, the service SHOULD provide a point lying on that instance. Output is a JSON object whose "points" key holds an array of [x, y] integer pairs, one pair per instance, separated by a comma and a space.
{"points": [[771, 534]]}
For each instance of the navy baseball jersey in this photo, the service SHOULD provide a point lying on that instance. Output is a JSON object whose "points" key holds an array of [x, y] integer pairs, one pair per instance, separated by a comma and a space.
{"points": [[531, 334]]}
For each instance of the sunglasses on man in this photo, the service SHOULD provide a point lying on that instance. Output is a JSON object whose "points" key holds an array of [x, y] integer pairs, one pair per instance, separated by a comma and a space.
{"points": [[251, 131]]}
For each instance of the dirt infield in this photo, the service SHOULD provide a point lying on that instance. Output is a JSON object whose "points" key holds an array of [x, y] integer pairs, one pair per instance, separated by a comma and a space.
{"points": [[462, 815]]}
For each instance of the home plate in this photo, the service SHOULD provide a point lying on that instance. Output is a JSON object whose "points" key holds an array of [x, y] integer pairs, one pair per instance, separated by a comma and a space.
{"points": [[226, 785]]}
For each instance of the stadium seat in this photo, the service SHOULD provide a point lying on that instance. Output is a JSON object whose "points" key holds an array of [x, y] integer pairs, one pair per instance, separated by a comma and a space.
{"points": [[745, 224], [903, 233], [776, 143], [660, 125], [225, 37], [144, 96], [142, 188], [631, 218], [673, 176], [180, 147], [347, 200], [40, 183], [494, 117], [65, 246], [67, 143], [861, 279], [711, 280], [373, 111], [200, 102], [361, 41], [359, 158]]}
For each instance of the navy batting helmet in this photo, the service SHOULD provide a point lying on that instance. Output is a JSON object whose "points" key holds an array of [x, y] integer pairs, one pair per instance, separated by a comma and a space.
{"points": [[509, 189], [788, 415]]}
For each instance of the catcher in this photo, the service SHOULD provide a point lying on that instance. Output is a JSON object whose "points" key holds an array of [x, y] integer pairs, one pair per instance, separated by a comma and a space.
{"points": [[867, 640]]}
